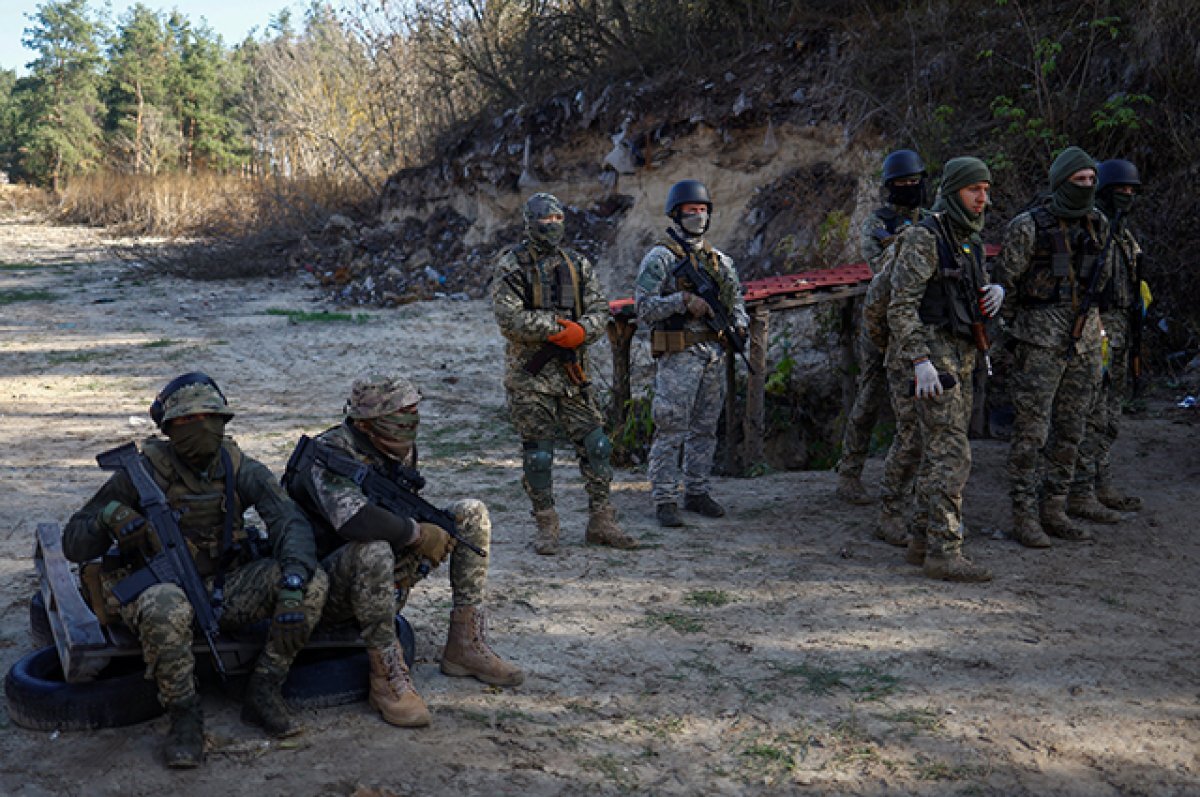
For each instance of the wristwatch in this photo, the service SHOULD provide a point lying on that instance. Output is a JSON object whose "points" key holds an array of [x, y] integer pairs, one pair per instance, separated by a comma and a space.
{"points": [[292, 581]]}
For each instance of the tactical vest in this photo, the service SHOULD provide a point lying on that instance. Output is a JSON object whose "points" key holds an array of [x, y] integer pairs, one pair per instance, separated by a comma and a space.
{"points": [[891, 220], [201, 505], [560, 289], [951, 295], [710, 261], [1063, 258]]}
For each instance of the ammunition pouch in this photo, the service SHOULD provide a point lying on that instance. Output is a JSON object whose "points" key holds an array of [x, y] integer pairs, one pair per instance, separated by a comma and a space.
{"points": [[91, 581], [670, 341]]}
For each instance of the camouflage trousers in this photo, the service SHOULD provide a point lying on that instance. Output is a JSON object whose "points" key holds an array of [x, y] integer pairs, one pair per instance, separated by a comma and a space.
{"points": [[871, 390], [544, 417], [1051, 395], [689, 388], [369, 583], [942, 429], [904, 457], [162, 619], [1093, 465]]}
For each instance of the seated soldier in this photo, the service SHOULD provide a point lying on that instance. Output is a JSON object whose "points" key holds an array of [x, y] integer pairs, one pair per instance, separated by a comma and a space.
{"points": [[208, 483], [368, 550]]}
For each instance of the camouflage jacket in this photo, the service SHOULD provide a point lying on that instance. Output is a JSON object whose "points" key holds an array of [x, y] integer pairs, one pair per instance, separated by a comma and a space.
{"points": [[526, 326], [1047, 324], [1124, 290], [199, 500], [332, 500], [875, 307], [658, 297], [874, 236]]}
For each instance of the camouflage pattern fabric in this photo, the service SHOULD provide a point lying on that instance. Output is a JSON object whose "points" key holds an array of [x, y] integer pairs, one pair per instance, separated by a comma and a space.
{"points": [[904, 457], [871, 244], [162, 619], [942, 421], [1051, 395], [1093, 466], [379, 395], [545, 416], [526, 329], [657, 299], [195, 399], [869, 396], [689, 391]]}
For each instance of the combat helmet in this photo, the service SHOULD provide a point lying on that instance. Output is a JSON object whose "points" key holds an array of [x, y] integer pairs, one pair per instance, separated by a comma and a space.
{"points": [[686, 191], [1117, 172], [902, 163], [379, 395], [193, 393]]}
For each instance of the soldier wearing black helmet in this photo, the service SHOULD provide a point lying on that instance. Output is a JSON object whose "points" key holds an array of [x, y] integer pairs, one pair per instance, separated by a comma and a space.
{"points": [[210, 483], [904, 188], [1093, 495], [689, 382]]}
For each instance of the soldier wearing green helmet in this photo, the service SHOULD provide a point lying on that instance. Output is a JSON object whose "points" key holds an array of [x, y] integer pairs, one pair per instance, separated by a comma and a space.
{"points": [[374, 555], [210, 483]]}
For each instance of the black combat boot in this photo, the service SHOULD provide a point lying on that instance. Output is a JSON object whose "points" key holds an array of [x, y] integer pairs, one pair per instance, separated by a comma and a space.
{"points": [[668, 515], [703, 504], [263, 706], [185, 739]]}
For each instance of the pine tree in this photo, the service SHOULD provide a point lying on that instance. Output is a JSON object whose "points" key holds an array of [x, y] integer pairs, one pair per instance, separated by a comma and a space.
{"points": [[143, 135]]}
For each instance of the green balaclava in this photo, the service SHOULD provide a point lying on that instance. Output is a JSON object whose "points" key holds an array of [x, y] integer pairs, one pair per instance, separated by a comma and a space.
{"points": [[957, 174], [197, 442], [1067, 200]]}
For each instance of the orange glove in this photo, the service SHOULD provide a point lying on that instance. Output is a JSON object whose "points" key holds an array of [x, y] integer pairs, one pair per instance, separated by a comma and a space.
{"points": [[571, 337]]}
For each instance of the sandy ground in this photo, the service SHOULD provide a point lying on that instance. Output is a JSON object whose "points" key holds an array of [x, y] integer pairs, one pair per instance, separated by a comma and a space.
{"points": [[780, 650]]}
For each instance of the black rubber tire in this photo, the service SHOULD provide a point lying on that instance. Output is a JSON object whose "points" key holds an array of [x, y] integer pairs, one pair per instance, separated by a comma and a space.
{"points": [[326, 678], [39, 622], [39, 698]]}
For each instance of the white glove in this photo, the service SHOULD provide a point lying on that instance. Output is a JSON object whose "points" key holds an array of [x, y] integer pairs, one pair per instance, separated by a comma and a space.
{"points": [[928, 384], [991, 297]]}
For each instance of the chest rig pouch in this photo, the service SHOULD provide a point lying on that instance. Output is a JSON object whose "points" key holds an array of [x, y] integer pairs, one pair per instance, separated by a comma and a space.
{"points": [[950, 297], [556, 288], [708, 260], [210, 511], [1064, 255]]}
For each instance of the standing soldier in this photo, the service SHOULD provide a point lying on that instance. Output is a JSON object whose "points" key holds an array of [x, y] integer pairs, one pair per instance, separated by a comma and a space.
{"points": [[1093, 495], [1047, 268], [549, 306], [209, 483], [904, 182], [368, 549], [689, 383], [940, 295]]}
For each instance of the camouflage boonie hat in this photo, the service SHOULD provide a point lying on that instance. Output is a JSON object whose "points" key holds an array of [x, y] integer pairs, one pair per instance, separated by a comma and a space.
{"points": [[541, 205], [376, 395], [194, 399]]}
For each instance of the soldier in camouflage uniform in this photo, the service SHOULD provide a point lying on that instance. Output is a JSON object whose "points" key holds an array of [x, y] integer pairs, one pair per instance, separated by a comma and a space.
{"points": [[192, 466], [1117, 182], [370, 553], [1045, 267], [689, 383], [939, 291], [904, 182], [549, 306], [904, 455]]}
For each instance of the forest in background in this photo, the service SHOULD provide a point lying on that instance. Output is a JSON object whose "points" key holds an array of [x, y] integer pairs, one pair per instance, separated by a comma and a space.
{"points": [[125, 120]]}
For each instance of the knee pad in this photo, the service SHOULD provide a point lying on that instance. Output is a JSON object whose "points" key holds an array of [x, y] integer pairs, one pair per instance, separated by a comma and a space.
{"points": [[539, 464], [598, 448]]}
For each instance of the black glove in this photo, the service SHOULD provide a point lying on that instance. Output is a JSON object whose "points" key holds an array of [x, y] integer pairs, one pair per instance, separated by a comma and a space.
{"points": [[289, 626]]}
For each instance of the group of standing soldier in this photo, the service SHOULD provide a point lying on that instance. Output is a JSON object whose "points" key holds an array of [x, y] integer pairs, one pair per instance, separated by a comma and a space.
{"points": [[339, 549], [1063, 296]]}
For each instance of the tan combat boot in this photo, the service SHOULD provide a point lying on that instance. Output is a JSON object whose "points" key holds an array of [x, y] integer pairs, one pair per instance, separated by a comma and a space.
{"points": [[955, 567], [468, 653], [1028, 531], [892, 529], [917, 548], [1089, 508], [546, 540], [1113, 498], [392, 692], [850, 489], [602, 529], [1057, 524]]}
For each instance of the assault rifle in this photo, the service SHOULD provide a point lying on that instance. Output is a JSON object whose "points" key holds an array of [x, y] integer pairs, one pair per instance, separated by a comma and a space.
{"points": [[1137, 322], [173, 563], [397, 495], [704, 286], [979, 334], [1090, 297], [568, 357]]}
